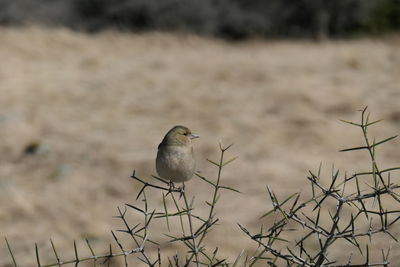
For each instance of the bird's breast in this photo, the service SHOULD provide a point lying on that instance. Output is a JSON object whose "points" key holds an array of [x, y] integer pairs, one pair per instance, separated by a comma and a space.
{"points": [[175, 163]]}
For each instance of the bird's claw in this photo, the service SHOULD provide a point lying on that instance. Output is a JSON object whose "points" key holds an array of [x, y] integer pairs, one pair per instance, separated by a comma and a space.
{"points": [[182, 190], [173, 188]]}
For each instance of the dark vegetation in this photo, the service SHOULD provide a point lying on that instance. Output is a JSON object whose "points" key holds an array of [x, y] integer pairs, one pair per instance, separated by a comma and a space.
{"points": [[230, 19]]}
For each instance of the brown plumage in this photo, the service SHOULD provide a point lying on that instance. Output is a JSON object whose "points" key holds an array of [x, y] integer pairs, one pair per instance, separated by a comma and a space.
{"points": [[175, 158]]}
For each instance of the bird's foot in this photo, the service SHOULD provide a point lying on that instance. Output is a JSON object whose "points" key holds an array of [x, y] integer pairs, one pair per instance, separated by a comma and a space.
{"points": [[172, 188], [182, 190]]}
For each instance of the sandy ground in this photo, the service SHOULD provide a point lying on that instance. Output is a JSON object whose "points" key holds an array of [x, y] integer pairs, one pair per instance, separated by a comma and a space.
{"points": [[98, 105]]}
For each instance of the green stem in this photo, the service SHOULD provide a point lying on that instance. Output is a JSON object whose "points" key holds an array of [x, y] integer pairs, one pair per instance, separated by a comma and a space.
{"points": [[189, 214], [210, 215]]}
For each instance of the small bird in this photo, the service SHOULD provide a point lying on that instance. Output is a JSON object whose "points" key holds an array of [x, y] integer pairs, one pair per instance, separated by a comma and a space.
{"points": [[175, 160]]}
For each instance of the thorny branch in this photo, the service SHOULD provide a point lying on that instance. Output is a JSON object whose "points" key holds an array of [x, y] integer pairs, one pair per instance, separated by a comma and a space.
{"points": [[353, 209]]}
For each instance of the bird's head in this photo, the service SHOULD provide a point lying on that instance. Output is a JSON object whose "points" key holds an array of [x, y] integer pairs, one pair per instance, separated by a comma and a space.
{"points": [[179, 136]]}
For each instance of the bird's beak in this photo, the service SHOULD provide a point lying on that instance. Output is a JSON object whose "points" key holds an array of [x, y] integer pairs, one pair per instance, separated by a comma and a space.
{"points": [[194, 136]]}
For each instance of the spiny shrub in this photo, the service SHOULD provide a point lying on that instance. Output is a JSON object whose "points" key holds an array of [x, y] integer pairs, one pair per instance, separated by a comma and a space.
{"points": [[349, 209]]}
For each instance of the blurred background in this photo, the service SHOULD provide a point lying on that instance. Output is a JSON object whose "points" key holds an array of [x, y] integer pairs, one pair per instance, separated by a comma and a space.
{"points": [[89, 88], [229, 19]]}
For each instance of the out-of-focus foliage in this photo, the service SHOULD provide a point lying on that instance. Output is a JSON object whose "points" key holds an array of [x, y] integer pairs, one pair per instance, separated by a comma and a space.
{"points": [[385, 17], [51, 12], [231, 19]]}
